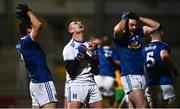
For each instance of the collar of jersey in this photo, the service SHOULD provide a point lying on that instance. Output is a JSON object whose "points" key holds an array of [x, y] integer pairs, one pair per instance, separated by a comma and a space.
{"points": [[25, 36], [156, 41], [79, 41]]}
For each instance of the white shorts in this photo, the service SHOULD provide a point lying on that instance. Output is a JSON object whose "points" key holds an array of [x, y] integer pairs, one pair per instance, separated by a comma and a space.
{"points": [[43, 93], [105, 84], [83, 93], [159, 93], [133, 82]]}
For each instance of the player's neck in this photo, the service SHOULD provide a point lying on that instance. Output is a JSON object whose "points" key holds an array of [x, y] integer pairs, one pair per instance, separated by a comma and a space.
{"points": [[155, 39], [78, 39]]}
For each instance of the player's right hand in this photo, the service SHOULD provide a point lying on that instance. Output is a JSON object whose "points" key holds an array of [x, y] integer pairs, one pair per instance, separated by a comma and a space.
{"points": [[125, 15], [82, 49], [24, 9]]}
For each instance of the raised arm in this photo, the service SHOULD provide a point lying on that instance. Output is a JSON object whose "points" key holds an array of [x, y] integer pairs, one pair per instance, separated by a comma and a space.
{"points": [[119, 28], [36, 24], [26, 12], [150, 25]]}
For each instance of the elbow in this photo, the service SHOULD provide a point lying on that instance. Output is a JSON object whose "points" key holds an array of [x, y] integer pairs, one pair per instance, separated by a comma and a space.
{"points": [[38, 26], [116, 30], [158, 25]]}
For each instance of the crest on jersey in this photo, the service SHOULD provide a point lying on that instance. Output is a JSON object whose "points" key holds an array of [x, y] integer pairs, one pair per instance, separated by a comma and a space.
{"points": [[74, 96], [135, 42]]}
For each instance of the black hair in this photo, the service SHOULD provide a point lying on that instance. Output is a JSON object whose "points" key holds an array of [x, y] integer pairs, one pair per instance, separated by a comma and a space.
{"points": [[133, 15], [127, 28], [24, 23], [134, 18]]}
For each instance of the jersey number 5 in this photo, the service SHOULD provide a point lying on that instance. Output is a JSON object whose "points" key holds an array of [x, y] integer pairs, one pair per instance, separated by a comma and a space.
{"points": [[149, 59]]}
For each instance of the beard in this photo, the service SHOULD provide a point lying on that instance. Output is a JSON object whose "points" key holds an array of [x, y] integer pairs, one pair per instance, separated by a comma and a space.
{"points": [[133, 32]]}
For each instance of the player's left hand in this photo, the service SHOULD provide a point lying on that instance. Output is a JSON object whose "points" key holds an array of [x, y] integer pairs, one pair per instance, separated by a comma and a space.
{"points": [[92, 45], [24, 9], [95, 53], [125, 15]]}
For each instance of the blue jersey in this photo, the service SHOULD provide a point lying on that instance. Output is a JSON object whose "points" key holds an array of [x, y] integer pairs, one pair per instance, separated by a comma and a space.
{"points": [[157, 71], [129, 51], [34, 59], [105, 55]]}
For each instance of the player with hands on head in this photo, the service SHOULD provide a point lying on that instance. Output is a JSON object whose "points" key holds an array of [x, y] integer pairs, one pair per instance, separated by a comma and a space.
{"points": [[128, 44], [42, 89]]}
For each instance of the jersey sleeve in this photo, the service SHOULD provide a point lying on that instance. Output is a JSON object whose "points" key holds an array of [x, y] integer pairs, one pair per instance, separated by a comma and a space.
{"points": [[71, 63], [68, 54], [166, 47], [27, 41]]}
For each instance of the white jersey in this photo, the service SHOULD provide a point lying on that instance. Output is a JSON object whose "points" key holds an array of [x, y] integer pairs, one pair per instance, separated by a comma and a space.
{"points": [[84, 75]]}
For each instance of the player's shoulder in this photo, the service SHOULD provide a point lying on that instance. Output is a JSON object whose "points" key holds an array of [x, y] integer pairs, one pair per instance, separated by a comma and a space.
{"points": [[162, 45], [150, 46], [23, 41], [28, 36], [68, 49], [165, 46], [27, 39]]}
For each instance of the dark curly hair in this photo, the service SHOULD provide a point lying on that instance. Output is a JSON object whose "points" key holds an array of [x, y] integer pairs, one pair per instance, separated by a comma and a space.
{"points": [[24, 24]]}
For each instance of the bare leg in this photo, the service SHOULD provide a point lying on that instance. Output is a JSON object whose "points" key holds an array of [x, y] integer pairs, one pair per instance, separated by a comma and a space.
{"points": [[136, 97], [108, 101], [65, 103], [97, 104], [35, 107], [116, 104], [50, 105], [172, 103], [130, 104], [150, 104], [74, 104], [123, 102]]}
